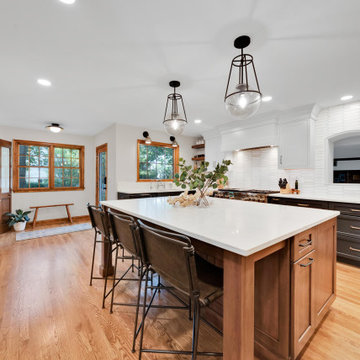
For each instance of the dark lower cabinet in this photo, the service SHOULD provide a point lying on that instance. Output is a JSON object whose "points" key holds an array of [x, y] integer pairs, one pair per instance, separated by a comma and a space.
{"points": [[124, 196], [348, 247], [348, 224]]}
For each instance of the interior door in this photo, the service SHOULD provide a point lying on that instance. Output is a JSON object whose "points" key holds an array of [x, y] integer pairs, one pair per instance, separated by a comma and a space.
{"points": [[5, 183], [101, 173]]}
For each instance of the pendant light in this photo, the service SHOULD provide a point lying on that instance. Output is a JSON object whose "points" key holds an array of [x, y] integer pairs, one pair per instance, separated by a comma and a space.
{"points": [[175, 116], [242, 96]]}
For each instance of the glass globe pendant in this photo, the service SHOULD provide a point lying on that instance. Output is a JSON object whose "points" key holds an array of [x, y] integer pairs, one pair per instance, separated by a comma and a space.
{"points": [[175, 116], [242, 96]]}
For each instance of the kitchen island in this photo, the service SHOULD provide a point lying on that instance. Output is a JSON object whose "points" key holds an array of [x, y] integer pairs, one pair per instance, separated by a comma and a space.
{"points": [[279, 267]]}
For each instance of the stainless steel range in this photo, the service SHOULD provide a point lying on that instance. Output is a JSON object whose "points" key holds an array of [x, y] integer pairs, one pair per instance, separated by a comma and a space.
{"points": [[245, 195]]}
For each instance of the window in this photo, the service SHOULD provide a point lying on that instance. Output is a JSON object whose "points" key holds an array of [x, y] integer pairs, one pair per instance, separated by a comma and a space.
{"points": [[157, 161], [47, 167]]}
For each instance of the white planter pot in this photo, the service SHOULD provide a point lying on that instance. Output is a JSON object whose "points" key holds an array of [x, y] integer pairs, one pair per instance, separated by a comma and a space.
{"points": [[20, 226]]}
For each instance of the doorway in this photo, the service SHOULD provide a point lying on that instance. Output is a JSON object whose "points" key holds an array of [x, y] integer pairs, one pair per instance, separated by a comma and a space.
{"points": [[5, 183], [101, 173]]}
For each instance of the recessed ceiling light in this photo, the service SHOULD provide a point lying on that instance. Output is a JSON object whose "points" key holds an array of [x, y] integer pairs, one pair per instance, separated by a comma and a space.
{"points": [[68, 2], [267, 98], [44, 82], [346, 97], [55, 128], [198, 121]]}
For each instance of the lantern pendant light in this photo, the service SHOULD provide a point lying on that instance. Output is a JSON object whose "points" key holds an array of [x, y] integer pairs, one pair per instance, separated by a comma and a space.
{"points": [[243, 95], [175, 116]]}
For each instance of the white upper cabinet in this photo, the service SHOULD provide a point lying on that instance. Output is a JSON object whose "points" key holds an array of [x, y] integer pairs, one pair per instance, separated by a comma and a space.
{"points": [[296, 144]]}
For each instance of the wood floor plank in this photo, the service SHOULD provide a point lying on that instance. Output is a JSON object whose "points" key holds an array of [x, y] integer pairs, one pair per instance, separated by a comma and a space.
{"points": [[48, 311]]}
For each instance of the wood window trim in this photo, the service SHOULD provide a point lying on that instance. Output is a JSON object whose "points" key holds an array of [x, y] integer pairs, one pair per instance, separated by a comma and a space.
{"points": [[99, 149], [154, 143], [16, 145]]}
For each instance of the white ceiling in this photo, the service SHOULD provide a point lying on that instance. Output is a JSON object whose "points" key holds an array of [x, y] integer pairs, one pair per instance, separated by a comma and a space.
{"points": [[111, 61]]}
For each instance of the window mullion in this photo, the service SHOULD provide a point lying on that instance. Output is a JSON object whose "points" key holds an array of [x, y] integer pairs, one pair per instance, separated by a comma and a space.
{"points": [[51, 167]]}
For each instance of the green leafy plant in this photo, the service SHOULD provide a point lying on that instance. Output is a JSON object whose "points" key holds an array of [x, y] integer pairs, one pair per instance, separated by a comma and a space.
{"points": [[19, 216], [201, 178]]}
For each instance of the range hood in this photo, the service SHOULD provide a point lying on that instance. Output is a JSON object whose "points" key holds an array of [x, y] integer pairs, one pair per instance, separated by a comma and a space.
{"points": [[249, 138]]}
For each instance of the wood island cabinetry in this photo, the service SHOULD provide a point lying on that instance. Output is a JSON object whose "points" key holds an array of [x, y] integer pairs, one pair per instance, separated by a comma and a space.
{"points": [[276, 296]]}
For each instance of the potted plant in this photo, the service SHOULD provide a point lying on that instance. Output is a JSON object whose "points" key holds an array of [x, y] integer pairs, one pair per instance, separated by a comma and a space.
{"points": [[18, 220], [200, 179]]}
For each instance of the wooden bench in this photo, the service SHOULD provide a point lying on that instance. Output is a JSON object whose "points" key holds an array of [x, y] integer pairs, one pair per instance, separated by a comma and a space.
{"points": [[47, 206]]}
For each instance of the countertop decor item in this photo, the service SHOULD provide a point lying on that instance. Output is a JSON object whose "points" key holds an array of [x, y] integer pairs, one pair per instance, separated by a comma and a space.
{"points": [[201, 179], [175, 115], [18, 220], [242, 95], [284, 186]]}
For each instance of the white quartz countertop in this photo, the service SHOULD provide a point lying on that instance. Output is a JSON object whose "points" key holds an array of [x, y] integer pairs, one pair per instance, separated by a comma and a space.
{"points": [[242, 227], [353, 199]]}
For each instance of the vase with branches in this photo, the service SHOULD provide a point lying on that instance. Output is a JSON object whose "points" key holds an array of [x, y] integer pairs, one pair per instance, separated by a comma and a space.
{"points": [[201, 179]]}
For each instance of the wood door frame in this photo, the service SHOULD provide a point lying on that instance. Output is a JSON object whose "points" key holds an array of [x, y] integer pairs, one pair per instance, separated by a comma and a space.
{"points": [[7, 144], [99, 149]]}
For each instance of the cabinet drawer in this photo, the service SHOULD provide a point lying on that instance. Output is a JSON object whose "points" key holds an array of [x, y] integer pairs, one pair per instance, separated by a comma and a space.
{"points": [[346, 208], [349, 225], [308, 203], [348, 247], [303, 243]]}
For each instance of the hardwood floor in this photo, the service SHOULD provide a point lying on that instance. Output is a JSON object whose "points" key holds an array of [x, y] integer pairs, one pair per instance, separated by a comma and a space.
{"points": [[48, 310]]}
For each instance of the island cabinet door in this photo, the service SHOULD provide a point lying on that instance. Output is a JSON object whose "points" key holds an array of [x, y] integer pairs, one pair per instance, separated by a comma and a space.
{"points": [[325, 268], [302, 307]]}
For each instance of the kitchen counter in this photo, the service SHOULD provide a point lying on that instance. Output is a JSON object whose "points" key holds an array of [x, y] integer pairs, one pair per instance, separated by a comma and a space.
{"points": [[237, 226], [331, 198]]}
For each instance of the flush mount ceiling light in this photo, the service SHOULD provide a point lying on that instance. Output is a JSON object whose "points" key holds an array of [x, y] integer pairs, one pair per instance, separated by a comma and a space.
{"points": [[175, 116], [55, 128], [242, 96], [266, 98], [173, 141], [44, 82], [197, 121], [346, 97], [147, 137], [68, 2]]}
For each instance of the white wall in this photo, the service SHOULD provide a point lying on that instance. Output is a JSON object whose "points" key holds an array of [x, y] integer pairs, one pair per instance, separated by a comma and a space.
{"points": [[79, 198], [126, 150], [259, 168]]}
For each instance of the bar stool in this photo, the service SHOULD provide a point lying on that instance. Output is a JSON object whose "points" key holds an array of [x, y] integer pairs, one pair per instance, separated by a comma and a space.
{"points": [[101, 227], [127, 234], [173, 257]]}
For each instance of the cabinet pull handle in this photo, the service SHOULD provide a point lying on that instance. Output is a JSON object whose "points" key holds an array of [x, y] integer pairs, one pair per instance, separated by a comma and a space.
{"points": [[303, 204], [355, 227], [275, 199], [355, 210], [305, 244], [353, 249], [281, 158], [308, 264]]}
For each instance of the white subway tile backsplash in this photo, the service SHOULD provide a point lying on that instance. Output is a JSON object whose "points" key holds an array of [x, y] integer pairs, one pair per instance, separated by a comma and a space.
{"points": [[259, 168]]}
